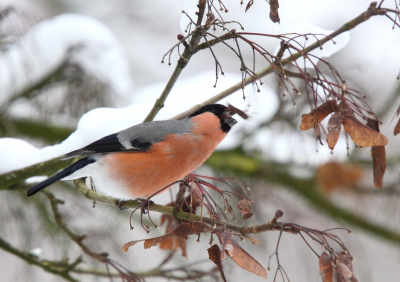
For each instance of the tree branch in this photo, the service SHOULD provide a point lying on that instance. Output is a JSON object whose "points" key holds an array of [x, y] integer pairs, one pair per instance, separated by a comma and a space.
{"points": [[197, 35], [49, 266], [78, 239], [44, 168], [268, 70], [133, 204]]}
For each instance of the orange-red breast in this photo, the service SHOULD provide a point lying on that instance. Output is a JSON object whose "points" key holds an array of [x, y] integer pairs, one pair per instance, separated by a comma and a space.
{"points": [[139, 161]]}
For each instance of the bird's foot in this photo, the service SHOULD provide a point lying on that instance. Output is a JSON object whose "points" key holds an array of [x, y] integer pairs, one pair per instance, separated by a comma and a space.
{"points": [[121, 205]]}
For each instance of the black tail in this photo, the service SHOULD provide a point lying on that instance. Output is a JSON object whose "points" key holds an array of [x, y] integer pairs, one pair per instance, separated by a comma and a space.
{"points": [[64, 173]]}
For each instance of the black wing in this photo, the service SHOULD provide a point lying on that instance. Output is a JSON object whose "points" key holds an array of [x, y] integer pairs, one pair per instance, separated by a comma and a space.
{"points": [[111, 144]]}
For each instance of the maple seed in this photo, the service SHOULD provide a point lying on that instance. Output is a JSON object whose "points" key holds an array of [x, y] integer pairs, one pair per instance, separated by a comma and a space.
{"points": [[333, 175], [334, 127], [361, 134], [239, 255], [273, 13], [397, 128], [313, 118], [326, 267], [181, 231], [214, 254], [378, 154]]}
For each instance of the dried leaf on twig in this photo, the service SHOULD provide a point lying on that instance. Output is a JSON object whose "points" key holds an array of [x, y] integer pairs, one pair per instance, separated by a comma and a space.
{"points": [[273, 13], [379, 164], [378, 154], [239, 255], [344, 265], [397, 128], [214, 254], [361, 134], [248, 6], [182, 231], [334, 127], [172, 243], [333, 175], [326, 267], [310, 120]]}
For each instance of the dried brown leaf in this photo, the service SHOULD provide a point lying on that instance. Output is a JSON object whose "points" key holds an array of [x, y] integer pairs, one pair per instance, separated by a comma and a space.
{"points": [[379, 164], [310, 120], [326, 267], [244, 207], [334, 127], [248, 6], [378, 154], [333, 175], [239, 255], [214, 254], [346, 259], [172, 243], [397, 128], [224, 238], [344, 265], [182, 231], [344, 270], [361, 134], [273, 13]]}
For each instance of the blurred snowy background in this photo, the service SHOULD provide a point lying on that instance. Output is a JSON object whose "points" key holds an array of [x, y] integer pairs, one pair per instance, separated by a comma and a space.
{"points": [[95, 67]]}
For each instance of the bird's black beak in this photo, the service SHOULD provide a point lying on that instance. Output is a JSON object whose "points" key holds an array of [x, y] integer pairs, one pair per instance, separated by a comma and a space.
{"points": [[231, 111], [227, 117]]}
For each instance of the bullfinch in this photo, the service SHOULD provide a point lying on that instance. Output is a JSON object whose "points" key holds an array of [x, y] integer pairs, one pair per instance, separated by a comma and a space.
{"points": [[141, 160]]}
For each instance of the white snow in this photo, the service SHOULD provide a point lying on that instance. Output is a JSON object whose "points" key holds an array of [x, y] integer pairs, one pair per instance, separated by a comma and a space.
{"points": [[47, 44]]}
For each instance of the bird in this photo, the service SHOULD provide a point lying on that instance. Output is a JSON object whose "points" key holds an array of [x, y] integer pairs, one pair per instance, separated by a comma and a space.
{"points": [[141, 160]]}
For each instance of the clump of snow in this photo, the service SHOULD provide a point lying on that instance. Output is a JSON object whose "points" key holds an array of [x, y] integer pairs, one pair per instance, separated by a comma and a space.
{"points": [[47, 44], [92, 126]]}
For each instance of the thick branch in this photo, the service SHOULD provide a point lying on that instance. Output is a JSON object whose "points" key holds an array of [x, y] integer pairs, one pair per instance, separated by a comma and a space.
{"points": [[133, 204]]}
